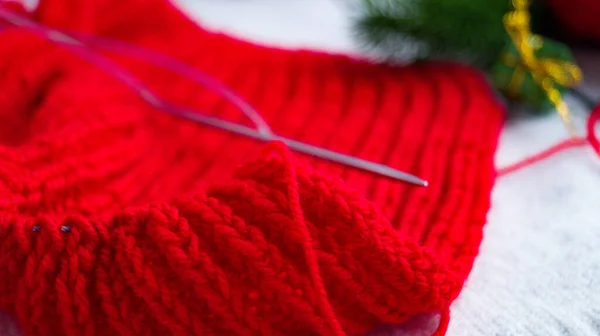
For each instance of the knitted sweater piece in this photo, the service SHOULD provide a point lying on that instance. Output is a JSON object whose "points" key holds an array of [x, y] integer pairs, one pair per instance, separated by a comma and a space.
{"points": [[119, 219]]}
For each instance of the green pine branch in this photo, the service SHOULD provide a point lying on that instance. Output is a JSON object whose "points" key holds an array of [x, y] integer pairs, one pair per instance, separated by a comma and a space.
{"points": [[469, 30]]}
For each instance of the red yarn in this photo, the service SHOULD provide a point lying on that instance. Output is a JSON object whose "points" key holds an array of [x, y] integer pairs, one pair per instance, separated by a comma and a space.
{"points": [[309, 252], [537, 157], [118, 219], [591, 139], [580, 17], [591, 129], [444, 323]]}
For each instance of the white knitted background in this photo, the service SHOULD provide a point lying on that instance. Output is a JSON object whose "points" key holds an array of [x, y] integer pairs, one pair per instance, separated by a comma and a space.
{"points": [[538, 272]]}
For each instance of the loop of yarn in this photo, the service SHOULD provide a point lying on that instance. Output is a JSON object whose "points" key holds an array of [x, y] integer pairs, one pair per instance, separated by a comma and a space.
{"points": [[591, 129]]}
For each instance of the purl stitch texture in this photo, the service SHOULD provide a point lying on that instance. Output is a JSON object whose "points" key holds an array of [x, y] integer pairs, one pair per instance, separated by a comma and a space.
{"points": [[118, 219]]}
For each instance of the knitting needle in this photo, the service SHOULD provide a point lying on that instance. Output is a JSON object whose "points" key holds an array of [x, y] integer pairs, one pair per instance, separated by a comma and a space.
{"points": [[352, 161], [299, 146], [263, 133], [183, 69]]}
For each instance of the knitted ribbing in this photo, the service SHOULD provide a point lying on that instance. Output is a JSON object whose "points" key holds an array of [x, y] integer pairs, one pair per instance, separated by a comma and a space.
{"points": [[167, 237]]}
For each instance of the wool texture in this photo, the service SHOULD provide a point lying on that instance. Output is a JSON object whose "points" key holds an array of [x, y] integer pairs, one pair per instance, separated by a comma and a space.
{"points": [[118, 219]]}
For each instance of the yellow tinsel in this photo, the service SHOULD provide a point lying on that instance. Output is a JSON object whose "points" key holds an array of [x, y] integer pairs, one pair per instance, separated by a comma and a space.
{"points": [[546, 72]]}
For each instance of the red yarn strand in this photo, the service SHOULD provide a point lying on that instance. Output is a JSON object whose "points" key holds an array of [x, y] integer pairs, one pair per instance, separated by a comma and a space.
{"points": [[591, 139], [537, 157], [310, 255]]}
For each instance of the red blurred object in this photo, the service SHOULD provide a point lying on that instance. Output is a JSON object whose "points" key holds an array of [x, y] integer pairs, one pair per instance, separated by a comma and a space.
{"points": [[581, 18]]}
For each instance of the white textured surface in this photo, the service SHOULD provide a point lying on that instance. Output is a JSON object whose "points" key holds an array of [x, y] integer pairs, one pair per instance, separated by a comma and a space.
{"points": [[538, 272]]}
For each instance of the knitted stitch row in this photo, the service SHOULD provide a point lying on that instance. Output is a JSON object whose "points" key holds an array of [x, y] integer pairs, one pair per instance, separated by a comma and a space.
{"points": [[118, 219]]}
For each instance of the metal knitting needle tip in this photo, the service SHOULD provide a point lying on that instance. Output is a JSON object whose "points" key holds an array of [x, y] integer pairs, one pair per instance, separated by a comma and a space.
{"points": [[352, 161], [298, 146]]}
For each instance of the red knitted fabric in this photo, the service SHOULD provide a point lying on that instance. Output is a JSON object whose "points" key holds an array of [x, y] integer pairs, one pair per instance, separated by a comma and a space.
{"points": [[180, 229]]}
